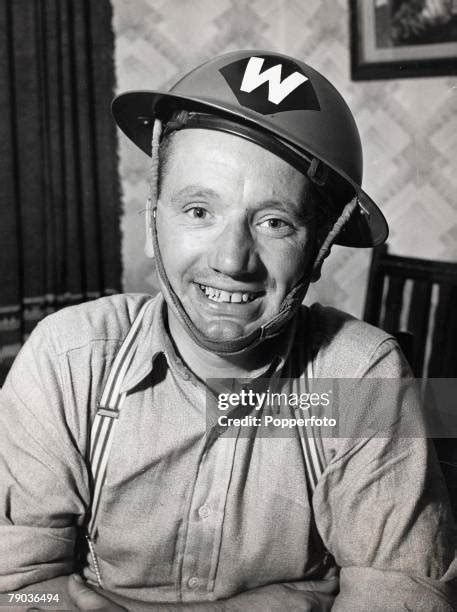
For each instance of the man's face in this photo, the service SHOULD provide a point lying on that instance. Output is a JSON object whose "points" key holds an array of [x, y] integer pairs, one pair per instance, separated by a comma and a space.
{"points": [[233, 232]]}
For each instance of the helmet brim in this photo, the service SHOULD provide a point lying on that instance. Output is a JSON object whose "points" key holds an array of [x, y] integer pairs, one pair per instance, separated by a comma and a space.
{"points": [[135, 111]]}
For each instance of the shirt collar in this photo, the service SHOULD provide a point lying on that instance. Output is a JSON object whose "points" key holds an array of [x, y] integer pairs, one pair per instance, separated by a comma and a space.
{"points": [[153, 340]]}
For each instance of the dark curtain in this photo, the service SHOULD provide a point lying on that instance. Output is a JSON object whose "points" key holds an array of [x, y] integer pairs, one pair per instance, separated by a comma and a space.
{"points": [[59, 192]]}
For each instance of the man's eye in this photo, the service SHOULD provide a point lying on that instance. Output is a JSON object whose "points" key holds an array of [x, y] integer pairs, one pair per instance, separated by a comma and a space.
{"points": [[197, 212], [275, 224]]}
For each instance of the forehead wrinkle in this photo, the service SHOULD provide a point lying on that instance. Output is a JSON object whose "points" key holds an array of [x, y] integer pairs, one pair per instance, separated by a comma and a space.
{"points": [[208, 178], [250, 182], [195, 190]]}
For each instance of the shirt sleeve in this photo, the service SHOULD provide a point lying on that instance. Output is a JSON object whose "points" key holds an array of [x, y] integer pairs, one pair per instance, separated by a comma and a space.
{"points": [[382, 508], [43, 478]]}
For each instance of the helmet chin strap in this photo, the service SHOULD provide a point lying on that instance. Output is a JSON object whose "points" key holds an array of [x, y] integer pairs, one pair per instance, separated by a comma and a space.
{"points": [[239, 345]]}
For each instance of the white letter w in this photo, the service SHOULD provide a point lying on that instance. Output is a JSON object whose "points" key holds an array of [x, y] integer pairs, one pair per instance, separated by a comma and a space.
{"points": [[277, 89]]}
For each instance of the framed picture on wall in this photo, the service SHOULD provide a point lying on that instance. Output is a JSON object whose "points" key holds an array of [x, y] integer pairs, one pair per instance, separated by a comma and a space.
{"points": [[391, 39]]}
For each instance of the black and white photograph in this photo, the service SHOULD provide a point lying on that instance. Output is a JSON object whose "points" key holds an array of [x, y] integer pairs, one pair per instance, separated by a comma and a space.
{"points": [[228, 305]]}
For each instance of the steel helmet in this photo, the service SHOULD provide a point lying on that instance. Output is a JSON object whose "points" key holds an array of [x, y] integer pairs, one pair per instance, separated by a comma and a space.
{"points": [[283, 99]]}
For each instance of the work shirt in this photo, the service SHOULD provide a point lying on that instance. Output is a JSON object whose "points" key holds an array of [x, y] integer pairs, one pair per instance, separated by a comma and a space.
{"points": [[184, 520]]}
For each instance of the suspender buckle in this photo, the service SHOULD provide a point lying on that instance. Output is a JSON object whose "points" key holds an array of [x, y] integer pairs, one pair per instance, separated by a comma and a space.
{"points": [[113, 413]]}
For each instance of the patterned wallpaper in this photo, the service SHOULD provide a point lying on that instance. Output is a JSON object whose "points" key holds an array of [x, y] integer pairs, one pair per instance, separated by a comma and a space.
{"points": [[408, 127]]}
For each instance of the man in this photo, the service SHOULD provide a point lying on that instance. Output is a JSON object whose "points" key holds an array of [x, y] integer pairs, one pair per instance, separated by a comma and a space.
{"points": [[256, 171]]}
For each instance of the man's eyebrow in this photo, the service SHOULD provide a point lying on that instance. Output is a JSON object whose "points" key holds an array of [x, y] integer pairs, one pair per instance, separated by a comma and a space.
{"points": [[194, 191]]}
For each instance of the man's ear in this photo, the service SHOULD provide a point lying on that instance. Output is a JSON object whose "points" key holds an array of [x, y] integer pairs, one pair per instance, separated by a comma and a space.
{"points": [[148, 218]]}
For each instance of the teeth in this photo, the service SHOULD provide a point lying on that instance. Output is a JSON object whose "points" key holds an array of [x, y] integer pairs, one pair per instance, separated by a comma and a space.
{"points": [[218, 295]]}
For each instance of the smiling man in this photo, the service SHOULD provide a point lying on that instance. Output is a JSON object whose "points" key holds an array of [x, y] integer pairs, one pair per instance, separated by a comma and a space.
{"points": [[236, 231], [110, 466]]}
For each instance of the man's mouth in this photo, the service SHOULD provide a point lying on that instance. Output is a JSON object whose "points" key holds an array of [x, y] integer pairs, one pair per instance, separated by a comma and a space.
{"points": [[219, 295]]}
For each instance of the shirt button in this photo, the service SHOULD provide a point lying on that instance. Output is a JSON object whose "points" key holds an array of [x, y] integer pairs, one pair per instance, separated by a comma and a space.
{"points": [[193, 582], [204, 511], [186, 375]]}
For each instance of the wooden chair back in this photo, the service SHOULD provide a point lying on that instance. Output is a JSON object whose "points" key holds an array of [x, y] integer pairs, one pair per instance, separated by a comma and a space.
{"points": [[416, 300]]}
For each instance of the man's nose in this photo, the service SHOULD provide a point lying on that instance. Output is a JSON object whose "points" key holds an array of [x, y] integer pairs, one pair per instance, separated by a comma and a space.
{"points": [[234, 251]]}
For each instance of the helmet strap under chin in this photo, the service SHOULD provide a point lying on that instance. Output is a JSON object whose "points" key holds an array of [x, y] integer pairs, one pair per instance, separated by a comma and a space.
{"points": [[222, 347]]}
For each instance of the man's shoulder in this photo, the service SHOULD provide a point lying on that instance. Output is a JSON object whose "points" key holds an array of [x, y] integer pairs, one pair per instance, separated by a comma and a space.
{"points": [[105, 319], [342, 342], [336, 326]]}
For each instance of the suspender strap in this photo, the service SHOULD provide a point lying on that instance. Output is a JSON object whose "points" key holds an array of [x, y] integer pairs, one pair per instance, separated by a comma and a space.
{"points": [[310, 436], [311, 440], [111, 403], [107, 414]]}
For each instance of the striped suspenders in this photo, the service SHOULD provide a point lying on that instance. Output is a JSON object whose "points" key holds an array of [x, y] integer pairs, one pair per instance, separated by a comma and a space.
{"points": [[312, 442], [109, 407], [310, 436], [103, 425]]}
